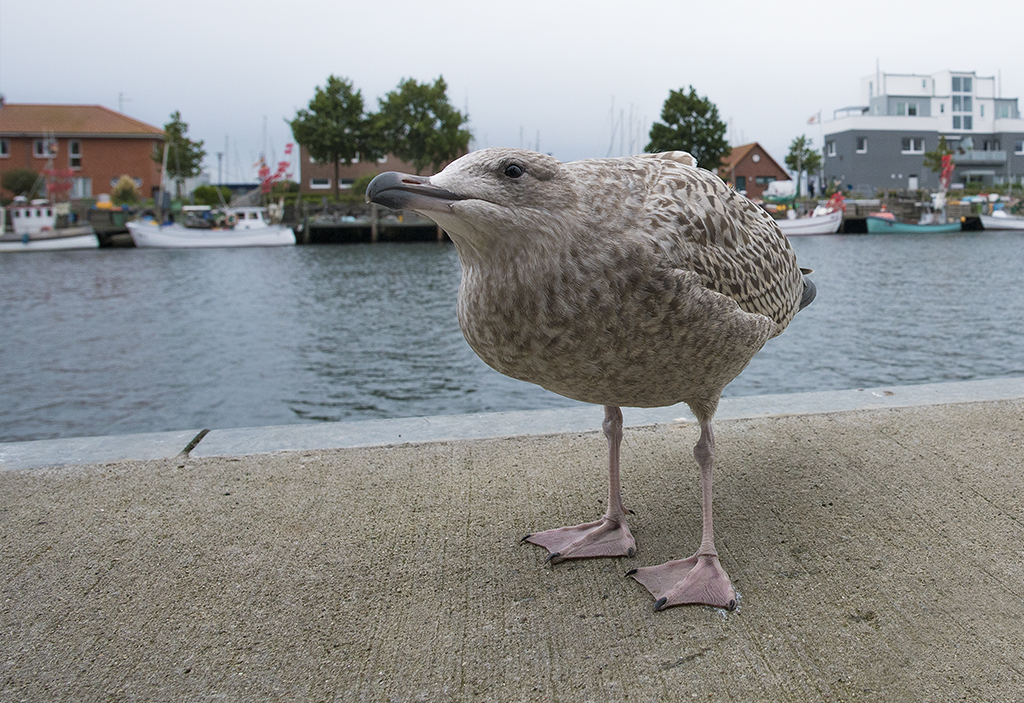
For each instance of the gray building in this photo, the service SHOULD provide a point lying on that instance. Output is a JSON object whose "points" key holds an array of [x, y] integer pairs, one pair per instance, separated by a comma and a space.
{"points": [[880, 144]]}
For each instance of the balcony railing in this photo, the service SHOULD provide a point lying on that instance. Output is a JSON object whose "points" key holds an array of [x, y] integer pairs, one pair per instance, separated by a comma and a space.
{"points": [[980, 158]]}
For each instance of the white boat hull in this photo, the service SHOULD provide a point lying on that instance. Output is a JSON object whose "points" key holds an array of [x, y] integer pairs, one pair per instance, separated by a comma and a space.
{"points": [[52, 240], [989, 222], [822, 224], [175, 236]]}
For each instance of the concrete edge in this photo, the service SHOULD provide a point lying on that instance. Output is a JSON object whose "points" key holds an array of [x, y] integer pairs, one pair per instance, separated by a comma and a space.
{"points": [[376, 433]]}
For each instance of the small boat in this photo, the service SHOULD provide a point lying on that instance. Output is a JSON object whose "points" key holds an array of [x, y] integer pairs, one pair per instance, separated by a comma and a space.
{"points": [[890, 225], [35, 229], [999, 220], [205, 227], [817, 223]]}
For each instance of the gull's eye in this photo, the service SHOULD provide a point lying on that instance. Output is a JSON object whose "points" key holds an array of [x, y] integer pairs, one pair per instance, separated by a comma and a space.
{"points": [[514, 170]]}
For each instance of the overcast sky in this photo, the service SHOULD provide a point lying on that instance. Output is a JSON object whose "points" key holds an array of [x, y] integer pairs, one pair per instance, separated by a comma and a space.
{"points": [[547, 73]]}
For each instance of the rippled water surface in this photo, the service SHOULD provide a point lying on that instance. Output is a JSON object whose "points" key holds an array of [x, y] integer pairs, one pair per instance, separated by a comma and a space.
{"points": [[122, 341]]}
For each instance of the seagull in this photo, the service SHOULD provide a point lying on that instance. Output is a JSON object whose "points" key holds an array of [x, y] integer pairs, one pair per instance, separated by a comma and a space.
{"points": [[640, 281]]}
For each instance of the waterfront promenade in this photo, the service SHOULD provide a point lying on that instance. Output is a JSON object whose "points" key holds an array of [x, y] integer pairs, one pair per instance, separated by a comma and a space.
{"points": [[876, 538]]}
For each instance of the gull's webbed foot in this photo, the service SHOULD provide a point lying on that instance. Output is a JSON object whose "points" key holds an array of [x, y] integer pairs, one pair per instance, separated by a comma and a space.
{"points": [[603, 538], [697, 580]]}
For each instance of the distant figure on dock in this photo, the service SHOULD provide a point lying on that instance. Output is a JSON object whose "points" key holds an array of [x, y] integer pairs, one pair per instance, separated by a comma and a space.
{"points": [[640, 281]]}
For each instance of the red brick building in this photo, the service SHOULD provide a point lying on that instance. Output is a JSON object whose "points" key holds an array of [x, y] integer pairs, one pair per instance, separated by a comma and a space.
{"points": [[750, 168], [319, 177], [95, 144]]}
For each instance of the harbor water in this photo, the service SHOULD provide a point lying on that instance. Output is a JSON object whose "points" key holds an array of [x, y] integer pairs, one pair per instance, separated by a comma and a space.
{"points": [[124, 341]]}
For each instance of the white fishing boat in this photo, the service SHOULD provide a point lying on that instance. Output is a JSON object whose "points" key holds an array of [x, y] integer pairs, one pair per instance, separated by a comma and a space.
{"points": [[34, 226], [999, 220], [827, 222], [205, 227]]}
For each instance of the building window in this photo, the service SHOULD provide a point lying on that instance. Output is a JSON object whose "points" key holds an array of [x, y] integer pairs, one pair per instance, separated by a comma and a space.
{"points": [[862, 145], [912, 109], [912, 145], [962, 84], [5, 148], [81, 188], [901, 109], [981, 109], [1003, 112], [319, 183], [44, 148], [741, 182], [962, 103], [1018, 147], [75, 154], [830, 149], [763, 180]]}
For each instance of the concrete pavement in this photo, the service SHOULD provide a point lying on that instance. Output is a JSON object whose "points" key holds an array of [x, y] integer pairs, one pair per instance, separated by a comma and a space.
{"points": [[876, 539]]}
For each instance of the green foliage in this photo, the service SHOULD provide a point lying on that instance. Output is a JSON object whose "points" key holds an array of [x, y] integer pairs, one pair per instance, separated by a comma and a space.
{"points": [[21, 181], [124, 192], [184, 156], [335, 129], [282, 187], [359, 185], [207, 195], [690, 123], [419, 125], [802, 157], [933, 159]]}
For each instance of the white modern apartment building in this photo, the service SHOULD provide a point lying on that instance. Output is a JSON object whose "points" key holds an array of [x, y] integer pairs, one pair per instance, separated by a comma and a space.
{"points": [[880, 143]]}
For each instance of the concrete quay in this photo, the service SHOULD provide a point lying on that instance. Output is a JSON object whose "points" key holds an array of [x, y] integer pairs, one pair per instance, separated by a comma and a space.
{"points": [[876, 538]]}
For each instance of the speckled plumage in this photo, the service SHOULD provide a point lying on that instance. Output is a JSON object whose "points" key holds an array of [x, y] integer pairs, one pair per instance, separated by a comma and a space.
{"points": [[639, 281]]}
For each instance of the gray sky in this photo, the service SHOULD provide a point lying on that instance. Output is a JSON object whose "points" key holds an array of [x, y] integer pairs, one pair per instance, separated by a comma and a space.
{"points": [[542, 72]]}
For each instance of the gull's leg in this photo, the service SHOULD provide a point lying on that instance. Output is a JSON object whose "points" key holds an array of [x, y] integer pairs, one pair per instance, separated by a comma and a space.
{"points": [[607, 537], [701, 578]]}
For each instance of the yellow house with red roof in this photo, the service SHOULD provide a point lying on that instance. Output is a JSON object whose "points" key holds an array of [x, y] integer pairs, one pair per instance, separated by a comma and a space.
{"points": [[89, 145]]}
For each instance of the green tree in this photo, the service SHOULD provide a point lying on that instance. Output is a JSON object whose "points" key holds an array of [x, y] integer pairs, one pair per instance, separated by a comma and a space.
{"points": [[335, 128], [690, 123], [184, 156], [420, 126], [933, 159], [21, 181], [125, 192], [209, 195], [802, 157]]}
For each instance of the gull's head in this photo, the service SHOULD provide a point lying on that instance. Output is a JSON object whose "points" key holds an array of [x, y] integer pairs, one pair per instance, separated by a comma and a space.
{"points": [[486, 196]]}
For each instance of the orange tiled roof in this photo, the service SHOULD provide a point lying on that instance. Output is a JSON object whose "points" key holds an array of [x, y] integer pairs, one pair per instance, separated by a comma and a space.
{"points": [[737, 154], [71, 120]]}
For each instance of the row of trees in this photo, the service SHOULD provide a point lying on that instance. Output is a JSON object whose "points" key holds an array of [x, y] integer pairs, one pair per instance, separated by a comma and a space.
{"points": [[415, 122]]}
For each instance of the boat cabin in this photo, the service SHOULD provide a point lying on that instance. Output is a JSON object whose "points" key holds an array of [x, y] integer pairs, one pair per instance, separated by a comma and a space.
{"points": [[31, 217]]}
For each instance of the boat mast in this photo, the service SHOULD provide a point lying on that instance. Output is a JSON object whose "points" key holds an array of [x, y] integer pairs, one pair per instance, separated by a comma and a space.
{"points": [[160, 195]]}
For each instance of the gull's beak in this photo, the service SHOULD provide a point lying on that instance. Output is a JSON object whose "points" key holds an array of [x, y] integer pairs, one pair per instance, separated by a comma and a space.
{"points": [[401, 191]]}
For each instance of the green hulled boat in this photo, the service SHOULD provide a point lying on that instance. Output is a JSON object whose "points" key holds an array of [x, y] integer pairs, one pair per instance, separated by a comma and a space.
{"points": [[881, 225]]}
